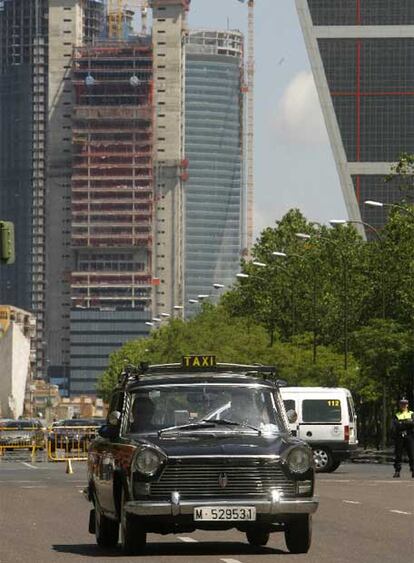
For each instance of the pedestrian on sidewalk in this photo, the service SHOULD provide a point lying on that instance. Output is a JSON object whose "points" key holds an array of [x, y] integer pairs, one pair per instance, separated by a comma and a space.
{"points": [[403, 429]]}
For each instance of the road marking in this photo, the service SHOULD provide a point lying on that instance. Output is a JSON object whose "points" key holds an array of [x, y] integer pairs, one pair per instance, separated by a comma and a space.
{"points": [[335, 480], [352, 501], [401, 512], [33, 487], [29, 465], [188, 540], [230, 560]]}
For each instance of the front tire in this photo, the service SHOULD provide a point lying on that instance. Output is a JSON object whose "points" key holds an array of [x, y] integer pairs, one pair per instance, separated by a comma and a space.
{"points": [[322, 458], [257, 537], [133, 539], [106, 530], [298, 534]]}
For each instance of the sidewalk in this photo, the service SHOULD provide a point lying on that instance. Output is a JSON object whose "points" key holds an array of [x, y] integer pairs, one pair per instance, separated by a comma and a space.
{"points": [[371, 455]]}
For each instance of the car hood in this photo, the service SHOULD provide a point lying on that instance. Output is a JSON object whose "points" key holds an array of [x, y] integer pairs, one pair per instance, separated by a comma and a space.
{"points": [[220, 443]]}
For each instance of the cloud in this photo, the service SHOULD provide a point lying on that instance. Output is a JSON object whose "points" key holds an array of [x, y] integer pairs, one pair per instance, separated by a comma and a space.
{"points": [[299, 116]]}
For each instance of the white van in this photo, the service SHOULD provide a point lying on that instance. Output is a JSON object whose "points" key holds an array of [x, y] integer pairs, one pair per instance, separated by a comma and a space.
{"points": [[326, 419]]}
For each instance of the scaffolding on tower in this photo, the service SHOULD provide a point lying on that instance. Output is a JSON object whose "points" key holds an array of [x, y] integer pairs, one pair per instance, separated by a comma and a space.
{"points": [[112, 182]]}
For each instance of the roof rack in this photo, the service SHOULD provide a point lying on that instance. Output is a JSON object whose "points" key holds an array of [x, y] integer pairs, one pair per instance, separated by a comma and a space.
{"points": [[135, 372]]}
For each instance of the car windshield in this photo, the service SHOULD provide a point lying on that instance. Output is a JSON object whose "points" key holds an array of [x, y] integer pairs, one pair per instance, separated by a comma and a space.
{"points": [[227, 407]]}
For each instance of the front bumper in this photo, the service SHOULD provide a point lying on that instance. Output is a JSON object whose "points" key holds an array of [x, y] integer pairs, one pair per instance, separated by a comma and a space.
{"points": [[178, 507]]}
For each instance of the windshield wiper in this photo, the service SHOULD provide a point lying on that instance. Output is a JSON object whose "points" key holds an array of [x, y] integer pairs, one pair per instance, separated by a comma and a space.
{"points": [[226, 422], [191, 426]]}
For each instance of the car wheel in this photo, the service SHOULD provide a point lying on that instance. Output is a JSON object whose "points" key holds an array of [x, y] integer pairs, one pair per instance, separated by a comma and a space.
{"points": [[133, 539], [106, 530], [298, 534], [322, 458], [334, 466], [257, 537]]}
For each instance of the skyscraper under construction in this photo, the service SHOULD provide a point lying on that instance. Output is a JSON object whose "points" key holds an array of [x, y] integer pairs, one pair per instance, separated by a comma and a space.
{"points": [[122, 166]]}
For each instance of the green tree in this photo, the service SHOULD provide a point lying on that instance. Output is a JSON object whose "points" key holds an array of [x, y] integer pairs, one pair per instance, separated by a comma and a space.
{"points": [[383, 348]]}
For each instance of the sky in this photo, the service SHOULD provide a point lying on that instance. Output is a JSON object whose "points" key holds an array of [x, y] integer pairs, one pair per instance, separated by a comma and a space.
{"points": [[294, 166]]}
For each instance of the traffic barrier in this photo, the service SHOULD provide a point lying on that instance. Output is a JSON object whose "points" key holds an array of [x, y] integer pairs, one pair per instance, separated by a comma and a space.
{"points": [[70, 442]]}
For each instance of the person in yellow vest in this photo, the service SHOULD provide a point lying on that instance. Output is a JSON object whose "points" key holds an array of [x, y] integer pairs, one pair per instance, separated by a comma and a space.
{"points": [[403, 427]]}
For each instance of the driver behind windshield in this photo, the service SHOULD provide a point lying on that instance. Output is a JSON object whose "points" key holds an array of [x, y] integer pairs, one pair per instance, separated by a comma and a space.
{"points": [[243, 409], [142, 413]]}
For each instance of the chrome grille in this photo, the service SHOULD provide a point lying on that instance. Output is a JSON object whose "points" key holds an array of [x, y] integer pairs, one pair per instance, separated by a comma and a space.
{"points": [[202, 479]]}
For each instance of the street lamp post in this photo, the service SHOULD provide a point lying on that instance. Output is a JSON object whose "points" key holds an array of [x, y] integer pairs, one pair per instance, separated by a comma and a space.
{"points": [[304, 236], [374, 203], [314, 300], [380, 239]]}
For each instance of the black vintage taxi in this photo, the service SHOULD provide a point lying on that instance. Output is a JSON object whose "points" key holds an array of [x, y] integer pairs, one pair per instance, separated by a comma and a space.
{"points": [[199, 445]]}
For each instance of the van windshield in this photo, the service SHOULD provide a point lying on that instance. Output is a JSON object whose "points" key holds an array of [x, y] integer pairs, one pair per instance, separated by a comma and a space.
{"points": [[321, 410]]}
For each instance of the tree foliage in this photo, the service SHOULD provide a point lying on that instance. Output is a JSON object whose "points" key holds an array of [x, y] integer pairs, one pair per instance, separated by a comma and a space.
{"points": [[327, 294]]}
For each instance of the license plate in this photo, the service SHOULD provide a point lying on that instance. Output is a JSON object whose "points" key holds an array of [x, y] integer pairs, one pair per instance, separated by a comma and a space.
{"points": [[219, 513]]}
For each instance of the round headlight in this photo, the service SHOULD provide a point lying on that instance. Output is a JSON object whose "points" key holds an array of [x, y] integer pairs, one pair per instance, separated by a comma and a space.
{"points": [[299, 460], [147, 462]]}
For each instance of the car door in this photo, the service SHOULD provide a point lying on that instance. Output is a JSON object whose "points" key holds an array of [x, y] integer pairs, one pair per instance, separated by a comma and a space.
{"points": [[105, 451]]}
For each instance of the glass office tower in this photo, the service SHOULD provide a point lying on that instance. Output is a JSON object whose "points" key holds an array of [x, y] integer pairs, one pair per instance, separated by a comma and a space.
{"points": [[214, 188], [362, 57]]}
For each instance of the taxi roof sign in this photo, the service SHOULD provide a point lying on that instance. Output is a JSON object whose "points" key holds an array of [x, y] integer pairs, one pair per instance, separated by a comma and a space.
{"points": [[198, 362]]}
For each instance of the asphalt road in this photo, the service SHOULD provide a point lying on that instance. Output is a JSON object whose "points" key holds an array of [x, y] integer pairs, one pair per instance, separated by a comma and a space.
{"points": [[364, 516]]}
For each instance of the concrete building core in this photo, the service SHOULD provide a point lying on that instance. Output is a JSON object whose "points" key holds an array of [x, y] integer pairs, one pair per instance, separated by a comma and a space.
{"points": [[362, 56], [169, 24]]}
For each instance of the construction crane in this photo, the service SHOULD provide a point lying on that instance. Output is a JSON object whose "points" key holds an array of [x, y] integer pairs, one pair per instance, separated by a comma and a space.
{"points": [[116, 11], [249, 88]]}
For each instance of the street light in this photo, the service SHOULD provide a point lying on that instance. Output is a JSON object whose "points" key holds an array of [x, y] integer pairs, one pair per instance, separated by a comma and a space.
{"points": [[165, 315], [314, 284], [373, 203], [303, 236], [149, 323], [203, 296], [193, 301], [259, 264], [156, 320], [380, 238], [318, 236], [218, 286], [241, 275]]}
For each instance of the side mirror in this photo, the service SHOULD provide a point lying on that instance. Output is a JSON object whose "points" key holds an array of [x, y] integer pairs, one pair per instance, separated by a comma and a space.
{"points": [[114, 418], [292, 416]]}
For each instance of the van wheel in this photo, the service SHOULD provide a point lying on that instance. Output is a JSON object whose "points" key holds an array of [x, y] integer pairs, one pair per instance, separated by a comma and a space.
{"points": [[298, 534], [322, 458], [334, 466]]}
